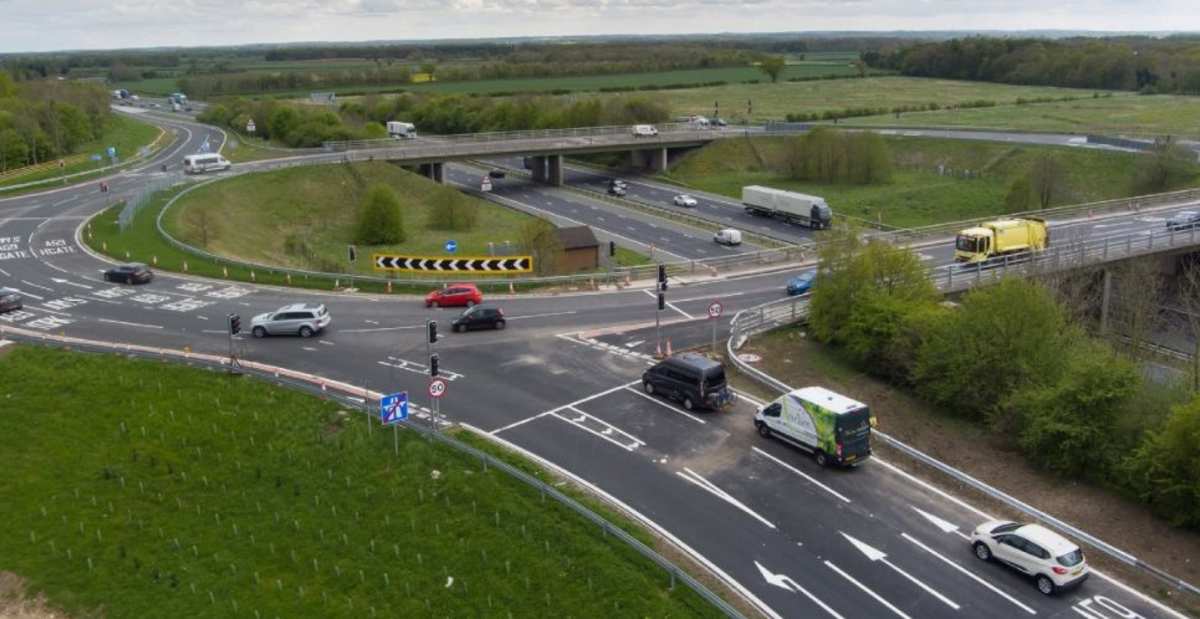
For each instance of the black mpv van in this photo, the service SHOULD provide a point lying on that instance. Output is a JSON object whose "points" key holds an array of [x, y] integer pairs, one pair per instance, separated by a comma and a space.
{"points": [[691, 379]]}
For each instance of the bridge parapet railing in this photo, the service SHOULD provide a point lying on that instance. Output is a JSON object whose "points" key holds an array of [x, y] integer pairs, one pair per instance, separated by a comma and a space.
{"points": [[666, 129]]}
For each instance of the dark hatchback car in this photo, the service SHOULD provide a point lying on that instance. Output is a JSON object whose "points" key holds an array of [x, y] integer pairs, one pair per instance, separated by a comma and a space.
{"points": [[496, 174], [10, 300], [135, 273], [479, 317], [690, 379]]}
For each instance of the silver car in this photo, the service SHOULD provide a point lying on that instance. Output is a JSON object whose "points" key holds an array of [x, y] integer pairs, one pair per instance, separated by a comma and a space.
{"points": [[303, 319], [10, 300]]}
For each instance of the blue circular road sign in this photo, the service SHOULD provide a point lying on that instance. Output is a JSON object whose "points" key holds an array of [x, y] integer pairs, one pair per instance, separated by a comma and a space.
{"points": [[451, 246]]}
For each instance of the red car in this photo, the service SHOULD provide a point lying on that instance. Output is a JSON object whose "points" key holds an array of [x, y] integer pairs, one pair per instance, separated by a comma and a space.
{"points": [[454, 294]]}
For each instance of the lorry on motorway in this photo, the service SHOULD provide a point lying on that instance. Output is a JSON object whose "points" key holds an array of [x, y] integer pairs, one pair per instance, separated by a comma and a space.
{"points": [[835, 428], [401, 130], [177, 98], [999, 238], [120, 93], [792, 207]]}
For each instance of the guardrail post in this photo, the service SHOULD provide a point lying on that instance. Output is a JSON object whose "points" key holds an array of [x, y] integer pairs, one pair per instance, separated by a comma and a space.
{"points": [[1106, 249], [1128, 245], [949, 277]]}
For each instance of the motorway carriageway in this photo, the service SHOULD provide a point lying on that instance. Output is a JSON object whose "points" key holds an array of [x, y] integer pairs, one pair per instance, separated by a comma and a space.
{"points": [[561, 382]]}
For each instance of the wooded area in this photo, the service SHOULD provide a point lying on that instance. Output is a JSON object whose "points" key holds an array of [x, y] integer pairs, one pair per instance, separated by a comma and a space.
{"points": [[43, 120]]}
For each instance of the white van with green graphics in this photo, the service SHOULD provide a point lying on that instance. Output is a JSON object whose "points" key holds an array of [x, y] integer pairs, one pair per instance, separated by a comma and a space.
{"points": [[836, 429]]}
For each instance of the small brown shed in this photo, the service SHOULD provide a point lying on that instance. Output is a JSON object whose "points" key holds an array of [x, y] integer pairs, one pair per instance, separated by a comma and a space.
{"points": [[581, 250]]}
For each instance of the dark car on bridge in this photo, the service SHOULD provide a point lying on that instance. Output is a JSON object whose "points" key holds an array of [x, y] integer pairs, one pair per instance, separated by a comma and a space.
{"points": [[1183, 220], [479, 317], [801, 283], [10, 300], [135, 273]]}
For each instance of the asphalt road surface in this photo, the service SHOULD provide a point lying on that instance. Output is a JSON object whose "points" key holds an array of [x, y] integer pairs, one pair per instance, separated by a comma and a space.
{"points": [[563, 382]]}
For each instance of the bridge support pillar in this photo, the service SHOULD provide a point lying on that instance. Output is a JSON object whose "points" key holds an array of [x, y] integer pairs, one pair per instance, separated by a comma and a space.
{"points": [[537, 169], [434, 171], [1105, 296], [654, 159], [554, 173]]}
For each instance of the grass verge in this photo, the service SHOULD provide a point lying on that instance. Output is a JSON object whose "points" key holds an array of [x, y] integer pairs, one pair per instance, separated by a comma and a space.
{"points": [[208, 506], [917, 194]]}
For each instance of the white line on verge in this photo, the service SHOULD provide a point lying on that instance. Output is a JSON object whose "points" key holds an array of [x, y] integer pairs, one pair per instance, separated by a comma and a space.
{"points": [[800, 473]]}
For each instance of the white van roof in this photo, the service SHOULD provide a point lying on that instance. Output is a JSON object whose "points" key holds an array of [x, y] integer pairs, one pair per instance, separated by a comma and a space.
{"points": [[827, 399]]}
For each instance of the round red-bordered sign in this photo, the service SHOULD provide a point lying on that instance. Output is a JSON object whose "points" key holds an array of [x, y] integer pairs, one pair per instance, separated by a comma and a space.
{"points": [[437, 388]]}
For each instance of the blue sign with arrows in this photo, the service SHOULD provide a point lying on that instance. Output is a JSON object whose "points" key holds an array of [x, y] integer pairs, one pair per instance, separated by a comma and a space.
{"points": [[393, 408], [451, 246]]}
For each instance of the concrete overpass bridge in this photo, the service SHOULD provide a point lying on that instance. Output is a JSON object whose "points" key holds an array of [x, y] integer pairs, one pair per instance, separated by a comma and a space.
{"points": [[545, 148]]}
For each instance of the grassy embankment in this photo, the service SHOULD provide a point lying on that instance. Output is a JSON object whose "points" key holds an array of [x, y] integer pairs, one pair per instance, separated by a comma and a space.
{"points": [[1153, 115], [185, 493], [125, 134], [917, 195]]}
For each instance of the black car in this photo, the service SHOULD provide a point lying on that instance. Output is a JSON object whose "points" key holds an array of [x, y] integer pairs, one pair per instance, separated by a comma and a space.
{"points": [[10, 300], [135, 273], [479, 317], [691, 379], [496, 174], [1183, 220]]}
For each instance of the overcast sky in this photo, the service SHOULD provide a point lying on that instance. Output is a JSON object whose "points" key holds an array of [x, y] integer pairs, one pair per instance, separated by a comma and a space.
{"points": [[42, 25]]}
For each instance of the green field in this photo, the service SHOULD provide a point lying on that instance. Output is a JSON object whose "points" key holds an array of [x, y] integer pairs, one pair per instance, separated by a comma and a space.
{"points": [[776, 101], [917, 194], [1127, 114], [318, 204], [185, 493], [128, 136]]}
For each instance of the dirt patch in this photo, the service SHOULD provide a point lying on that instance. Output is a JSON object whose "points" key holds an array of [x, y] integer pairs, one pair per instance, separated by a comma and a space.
{"points": [[15, 602], [793, 358]]}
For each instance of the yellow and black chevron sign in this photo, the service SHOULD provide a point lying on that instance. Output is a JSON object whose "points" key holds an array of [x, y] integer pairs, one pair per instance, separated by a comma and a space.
{"points": [[464, 264]]}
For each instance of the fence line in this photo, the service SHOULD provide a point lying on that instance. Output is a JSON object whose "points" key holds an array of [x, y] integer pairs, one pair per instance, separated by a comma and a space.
{"points": [[360, 399]]}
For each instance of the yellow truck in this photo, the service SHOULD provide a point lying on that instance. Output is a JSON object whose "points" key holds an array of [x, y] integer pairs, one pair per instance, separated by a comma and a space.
{"points": [[993, 239]]}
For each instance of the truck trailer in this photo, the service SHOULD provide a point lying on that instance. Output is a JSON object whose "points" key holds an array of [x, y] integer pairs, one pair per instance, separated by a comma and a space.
{"points": [[835, 428], [401, 130], [792, 207], [999, 238]]}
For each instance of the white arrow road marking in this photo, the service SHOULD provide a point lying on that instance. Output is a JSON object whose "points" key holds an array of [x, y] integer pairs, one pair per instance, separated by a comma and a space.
{"points": [[694, 478], [876, 555], [864, 589], [945, 526], [783, 581], [965, 571], [69, 283]]}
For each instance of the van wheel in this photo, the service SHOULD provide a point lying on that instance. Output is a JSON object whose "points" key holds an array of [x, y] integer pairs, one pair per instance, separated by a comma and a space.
{"points": [[306, 331], [821, 458], [500, 324], [259, 332], [1045, 585], [648, 388], [687, 404], [764, 431], [983, 552]]}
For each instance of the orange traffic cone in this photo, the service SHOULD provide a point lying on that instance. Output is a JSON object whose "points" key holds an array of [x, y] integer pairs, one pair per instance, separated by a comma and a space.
{"points": [[668, 347], [658, 350]]}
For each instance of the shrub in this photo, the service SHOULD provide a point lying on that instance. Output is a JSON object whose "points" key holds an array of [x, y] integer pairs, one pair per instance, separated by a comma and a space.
{"points": [[380, 221], [1165, 469]]}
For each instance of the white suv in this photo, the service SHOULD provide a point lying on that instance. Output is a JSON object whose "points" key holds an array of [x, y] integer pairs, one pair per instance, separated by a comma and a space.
{"points": [[303, 319], [1053, 561], [685, 200]]}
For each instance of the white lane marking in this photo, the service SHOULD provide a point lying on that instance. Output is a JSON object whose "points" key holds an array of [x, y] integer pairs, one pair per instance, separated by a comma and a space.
{"points": [[661, 530], [128, 324], [605, 434], [29, 283], [968, 573], [665, 405], [417, 368], [694, 478], [592, 397], [866, 590], [800, 473], [517, 423], [201, 317], [547, 315], [371, 322], [325, 342], [309, 348], [51, 310], [214, 331], [34, 296], [945, 525], [378, 329], [670, 305], [634, 343], [5, 273], [876, 555], [784, 581]]}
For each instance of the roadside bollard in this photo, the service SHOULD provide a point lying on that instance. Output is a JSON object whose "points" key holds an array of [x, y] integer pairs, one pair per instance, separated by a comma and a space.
{"points": [[225, 272], [389, 286], [185, 266], [289, 279], [337, 283], [154, 260], [252, 278]]}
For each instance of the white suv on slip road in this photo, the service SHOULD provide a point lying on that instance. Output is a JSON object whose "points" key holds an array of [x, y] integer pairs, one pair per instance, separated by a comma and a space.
{"points": [[1053, 561], [303, 319]]}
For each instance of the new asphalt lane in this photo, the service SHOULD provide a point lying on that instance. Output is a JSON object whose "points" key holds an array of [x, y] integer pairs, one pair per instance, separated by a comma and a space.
{"points": [[563, 382]]}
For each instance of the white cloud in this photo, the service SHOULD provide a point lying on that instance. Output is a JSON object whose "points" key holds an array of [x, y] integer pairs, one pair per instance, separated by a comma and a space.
{"points": [[29, 25]]}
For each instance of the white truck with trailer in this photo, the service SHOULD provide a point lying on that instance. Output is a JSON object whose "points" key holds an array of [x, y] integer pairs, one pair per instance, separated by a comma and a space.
{"points": [[795, 208], [401, 130]]}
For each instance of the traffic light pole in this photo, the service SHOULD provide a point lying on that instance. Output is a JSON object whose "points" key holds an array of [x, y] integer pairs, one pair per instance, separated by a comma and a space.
{"points": [[235, 327]]}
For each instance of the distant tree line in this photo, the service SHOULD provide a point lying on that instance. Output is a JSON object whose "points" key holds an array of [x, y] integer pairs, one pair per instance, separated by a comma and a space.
{"points": [[1018, 359], [303, 125], [43, 120], [1145, 64]]}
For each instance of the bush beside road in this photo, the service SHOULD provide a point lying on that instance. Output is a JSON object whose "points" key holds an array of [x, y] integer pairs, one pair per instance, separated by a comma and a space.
{"points": [[201, 494]]}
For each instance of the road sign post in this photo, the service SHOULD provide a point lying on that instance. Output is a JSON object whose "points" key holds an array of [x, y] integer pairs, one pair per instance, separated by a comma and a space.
{"points": [[714, 314]]}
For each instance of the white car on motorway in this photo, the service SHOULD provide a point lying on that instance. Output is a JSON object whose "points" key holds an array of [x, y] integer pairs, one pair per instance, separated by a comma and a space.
{"points": [[1053, 561], [685, 200]]}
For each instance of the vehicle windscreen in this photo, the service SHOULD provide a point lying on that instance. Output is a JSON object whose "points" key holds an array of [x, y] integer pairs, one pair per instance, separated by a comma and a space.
{"points": [[965, 243], [1071, 559], [854, 430]]}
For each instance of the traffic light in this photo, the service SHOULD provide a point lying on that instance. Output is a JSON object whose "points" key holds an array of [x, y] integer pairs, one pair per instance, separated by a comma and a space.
{"points": [[612, 248], [352, 252], [433, 332], [433, 364], [662, 301], [235, 324]]}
